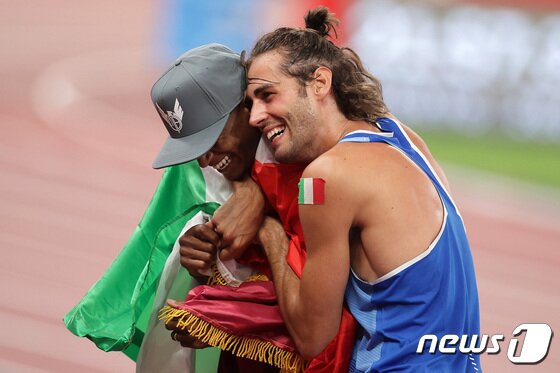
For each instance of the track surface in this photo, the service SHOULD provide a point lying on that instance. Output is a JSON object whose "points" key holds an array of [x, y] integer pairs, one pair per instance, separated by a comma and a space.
{"points": [[77, 138]]}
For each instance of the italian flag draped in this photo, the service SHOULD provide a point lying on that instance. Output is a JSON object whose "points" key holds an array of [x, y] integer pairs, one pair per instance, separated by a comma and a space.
{"points": [[120, 311]]}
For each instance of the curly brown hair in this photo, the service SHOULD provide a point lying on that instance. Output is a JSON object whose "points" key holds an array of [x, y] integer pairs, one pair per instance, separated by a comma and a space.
{"points": [[357, 92]]}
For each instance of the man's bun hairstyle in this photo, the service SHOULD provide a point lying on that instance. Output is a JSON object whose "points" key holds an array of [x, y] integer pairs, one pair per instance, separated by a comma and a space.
{"points": [[357, 92], [322, 21]]}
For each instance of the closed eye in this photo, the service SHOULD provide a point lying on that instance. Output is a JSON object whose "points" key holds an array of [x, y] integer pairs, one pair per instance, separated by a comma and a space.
{"points": [[266, 96], [263, 92], [248, 103]]}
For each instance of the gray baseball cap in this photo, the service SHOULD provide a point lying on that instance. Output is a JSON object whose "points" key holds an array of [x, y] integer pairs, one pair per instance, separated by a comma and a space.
{"points": [[194, 98]]}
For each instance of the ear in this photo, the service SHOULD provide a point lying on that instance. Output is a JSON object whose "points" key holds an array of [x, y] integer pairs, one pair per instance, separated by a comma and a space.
{"points": [[322, 81]]}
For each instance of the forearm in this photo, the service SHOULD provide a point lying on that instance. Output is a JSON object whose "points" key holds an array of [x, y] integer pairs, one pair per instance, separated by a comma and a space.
{"points": [[297, 310], [252, 199], [238, 220]]}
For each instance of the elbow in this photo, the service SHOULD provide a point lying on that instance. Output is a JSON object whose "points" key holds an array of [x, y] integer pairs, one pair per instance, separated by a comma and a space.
{"points": [[313, 337], [309, 354], [310, 347]]}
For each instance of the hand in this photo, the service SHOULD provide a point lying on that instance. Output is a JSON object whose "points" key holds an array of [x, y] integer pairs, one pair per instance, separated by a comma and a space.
{"points": [[238, 220], [180, 335], [198, 248]]}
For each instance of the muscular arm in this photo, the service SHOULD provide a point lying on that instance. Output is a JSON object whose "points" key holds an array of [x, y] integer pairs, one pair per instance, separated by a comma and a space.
{"points": [[238, 220], [232, 228], [312, 306]]}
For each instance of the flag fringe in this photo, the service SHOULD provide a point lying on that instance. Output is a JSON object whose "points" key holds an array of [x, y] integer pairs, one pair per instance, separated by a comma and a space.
{"points": [[216, 277], [250, 348]]}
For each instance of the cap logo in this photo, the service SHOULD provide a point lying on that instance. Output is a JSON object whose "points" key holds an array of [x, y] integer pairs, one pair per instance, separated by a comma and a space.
{"points": [[173, 118]]}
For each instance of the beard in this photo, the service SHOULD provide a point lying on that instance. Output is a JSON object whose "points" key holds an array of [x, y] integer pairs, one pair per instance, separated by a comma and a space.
{"points": [[302, 129]]}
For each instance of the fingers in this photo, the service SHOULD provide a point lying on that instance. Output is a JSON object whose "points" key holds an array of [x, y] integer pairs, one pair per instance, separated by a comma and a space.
{"points": [[226, 253], [198, 248], [174, 303], [171, 325], [225, 236], [211, 224], [235, 250], [180, 335], [201, 233], [187, 340], [234, 240], [196, 261]]}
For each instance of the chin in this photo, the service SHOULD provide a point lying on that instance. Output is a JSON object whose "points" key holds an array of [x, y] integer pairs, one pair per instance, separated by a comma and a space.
{"points": [[280, 156], [230, 176], [286, 158], [234, 174]]}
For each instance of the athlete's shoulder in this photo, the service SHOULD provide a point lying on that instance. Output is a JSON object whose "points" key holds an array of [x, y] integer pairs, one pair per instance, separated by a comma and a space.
{"points": [[329, 164], [348, 175]]}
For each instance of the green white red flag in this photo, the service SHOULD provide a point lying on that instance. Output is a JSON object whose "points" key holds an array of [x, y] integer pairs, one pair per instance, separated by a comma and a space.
{"points": [[119, 312], [311, 191]]}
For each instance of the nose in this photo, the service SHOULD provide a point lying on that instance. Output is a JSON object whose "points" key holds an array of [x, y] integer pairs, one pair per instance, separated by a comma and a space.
{"points": [[258, 115], [205, 159]]}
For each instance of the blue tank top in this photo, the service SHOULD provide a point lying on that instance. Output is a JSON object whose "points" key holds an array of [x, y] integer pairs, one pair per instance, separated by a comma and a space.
{"points": [[434, 293]]}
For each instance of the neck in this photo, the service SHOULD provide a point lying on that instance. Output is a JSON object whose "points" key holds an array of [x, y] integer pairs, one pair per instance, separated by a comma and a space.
{"points": [[353, 125], [334, 126]]}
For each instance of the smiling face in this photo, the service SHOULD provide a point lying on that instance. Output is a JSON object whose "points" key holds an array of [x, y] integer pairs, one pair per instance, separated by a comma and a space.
{"points": [[282, 109], [234, 152]]}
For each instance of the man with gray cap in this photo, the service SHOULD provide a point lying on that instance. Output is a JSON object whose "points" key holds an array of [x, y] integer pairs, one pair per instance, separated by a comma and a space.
{"points": [[203, 90], [232, 154], [200, 101]]}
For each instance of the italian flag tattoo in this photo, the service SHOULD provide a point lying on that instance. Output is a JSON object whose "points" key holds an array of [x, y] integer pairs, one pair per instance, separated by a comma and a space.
{"points": [[311, 191]]}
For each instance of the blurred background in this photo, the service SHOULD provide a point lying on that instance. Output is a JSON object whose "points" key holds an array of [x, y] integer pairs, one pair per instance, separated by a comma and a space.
{"points": [[78, 133]]}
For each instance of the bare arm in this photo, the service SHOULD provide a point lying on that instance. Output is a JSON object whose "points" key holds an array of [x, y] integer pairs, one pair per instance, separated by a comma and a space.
{"points": [[232, 228], [312, 306], [238, 220]]}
